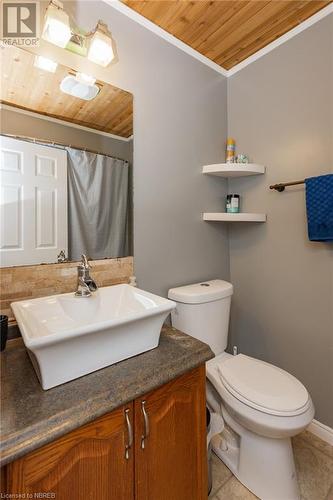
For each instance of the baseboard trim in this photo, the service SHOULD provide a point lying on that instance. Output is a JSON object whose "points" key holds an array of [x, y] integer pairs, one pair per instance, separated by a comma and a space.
{"points": [[322, 431]]}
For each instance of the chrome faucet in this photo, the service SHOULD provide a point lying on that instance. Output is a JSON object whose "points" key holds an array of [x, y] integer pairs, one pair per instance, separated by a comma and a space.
{"points": [[85, 284]]}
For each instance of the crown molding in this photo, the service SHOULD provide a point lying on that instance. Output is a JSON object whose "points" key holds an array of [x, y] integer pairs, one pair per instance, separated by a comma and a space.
{"points": [[34, 114], [143, 21]]}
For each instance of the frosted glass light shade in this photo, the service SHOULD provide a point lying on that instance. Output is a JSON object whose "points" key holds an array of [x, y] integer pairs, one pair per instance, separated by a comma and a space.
{"points": [[77, 88], [56, 26], [100, 49]]}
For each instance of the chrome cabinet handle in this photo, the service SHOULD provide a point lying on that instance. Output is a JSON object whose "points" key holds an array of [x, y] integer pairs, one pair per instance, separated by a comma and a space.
{"points": [[128, 446], [146, 422]]}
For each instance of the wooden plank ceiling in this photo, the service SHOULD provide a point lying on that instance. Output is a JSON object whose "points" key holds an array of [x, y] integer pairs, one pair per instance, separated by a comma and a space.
{"points": [[227, 32], [32, 89]]}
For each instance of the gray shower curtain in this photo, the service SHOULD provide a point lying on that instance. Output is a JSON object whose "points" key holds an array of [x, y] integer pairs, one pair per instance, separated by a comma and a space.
{"points": [[98, 205]]}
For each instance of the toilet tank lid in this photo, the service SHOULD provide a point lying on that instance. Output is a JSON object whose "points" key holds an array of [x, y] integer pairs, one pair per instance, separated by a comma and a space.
{"points": [[199, 293]]}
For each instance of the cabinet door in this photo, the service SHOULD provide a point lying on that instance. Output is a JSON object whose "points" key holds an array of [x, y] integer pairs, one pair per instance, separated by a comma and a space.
{"points": [[171, 462], [86, 464]]}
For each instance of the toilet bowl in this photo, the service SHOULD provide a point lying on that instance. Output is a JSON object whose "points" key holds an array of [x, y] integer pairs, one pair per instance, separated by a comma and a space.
{"points": [[262, 405], [256, 445]]}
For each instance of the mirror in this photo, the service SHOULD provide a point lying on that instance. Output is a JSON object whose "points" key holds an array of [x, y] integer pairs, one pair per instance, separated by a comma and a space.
{"points": [[66, 164]]}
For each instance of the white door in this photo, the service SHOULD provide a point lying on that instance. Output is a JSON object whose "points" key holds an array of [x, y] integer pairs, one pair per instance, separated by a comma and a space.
{"points": [[33, 199]]}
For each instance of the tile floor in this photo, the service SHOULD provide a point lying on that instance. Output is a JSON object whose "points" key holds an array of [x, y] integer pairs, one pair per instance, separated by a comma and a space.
{"points": [[314, 465]]}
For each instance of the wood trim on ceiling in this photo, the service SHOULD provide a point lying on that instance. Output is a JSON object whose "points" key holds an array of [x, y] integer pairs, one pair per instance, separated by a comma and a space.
{"points": [[28, 87], [16, 109], [321, 14], [143, 21], [157, 30]]}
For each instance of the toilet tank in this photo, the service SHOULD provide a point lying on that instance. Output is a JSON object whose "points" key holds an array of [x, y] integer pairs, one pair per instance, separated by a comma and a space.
{"points": [[203, 311]]}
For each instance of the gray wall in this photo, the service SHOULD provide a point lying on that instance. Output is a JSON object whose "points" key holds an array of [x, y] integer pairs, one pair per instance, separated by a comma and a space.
{"points": [[280, 112], [20, 124], [179, 125]]}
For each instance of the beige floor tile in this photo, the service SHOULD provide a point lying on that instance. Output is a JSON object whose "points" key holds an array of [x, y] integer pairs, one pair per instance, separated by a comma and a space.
{"points": [[330, 494], [314, 464], [234, 490], [317, 443], [314, 470], [220, 474]]}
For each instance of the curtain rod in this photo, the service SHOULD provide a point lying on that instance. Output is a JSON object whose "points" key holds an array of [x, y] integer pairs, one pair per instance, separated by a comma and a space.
{"points": [[281, 187], [47, 142]]}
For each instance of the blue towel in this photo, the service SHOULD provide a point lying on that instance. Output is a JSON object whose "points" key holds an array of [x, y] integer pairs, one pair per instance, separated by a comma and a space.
{"points": [[319, 207]]}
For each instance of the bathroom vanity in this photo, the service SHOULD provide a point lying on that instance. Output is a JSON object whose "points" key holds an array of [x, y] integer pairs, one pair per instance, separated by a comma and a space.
{"points": [[136, 429]]}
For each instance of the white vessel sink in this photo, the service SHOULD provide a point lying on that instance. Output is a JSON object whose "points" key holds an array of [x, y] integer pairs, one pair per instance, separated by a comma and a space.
{"points": [[68, 336]]}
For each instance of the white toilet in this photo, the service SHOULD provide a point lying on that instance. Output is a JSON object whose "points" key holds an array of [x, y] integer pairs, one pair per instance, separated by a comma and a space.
{"points": [[262, 405]]}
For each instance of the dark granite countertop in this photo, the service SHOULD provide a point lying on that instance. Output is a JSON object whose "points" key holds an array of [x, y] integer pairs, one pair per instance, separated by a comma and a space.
{"points": [[32, 417]]}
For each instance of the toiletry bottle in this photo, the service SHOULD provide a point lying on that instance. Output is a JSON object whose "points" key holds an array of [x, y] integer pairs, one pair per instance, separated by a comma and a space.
{"points": [[230, 150], [232, 204]]}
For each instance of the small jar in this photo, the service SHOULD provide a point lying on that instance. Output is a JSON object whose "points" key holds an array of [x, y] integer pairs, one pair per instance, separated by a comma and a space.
{"points": [[232, 204], [242, 158]]}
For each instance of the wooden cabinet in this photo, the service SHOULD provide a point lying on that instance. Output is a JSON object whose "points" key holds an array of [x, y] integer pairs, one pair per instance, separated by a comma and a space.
{"points": [[86, 464], [151, 449], [170, 445]]}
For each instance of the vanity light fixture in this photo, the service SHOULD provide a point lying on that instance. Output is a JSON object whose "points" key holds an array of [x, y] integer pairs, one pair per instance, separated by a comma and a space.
{"points": [[45, 64], [80, 85], [100, 49], [56, 25], [97, 45]]}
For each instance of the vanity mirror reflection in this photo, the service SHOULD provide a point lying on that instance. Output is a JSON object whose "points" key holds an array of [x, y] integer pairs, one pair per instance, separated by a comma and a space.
{"points": [[66, 163]]}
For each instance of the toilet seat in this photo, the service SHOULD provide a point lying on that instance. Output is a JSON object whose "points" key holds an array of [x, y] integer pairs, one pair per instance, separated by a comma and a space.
{"points": [[260, 385]]}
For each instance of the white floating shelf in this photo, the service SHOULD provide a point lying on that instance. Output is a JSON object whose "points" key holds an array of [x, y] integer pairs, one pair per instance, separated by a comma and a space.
{"points": [[240, 217], [233, 169]]}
